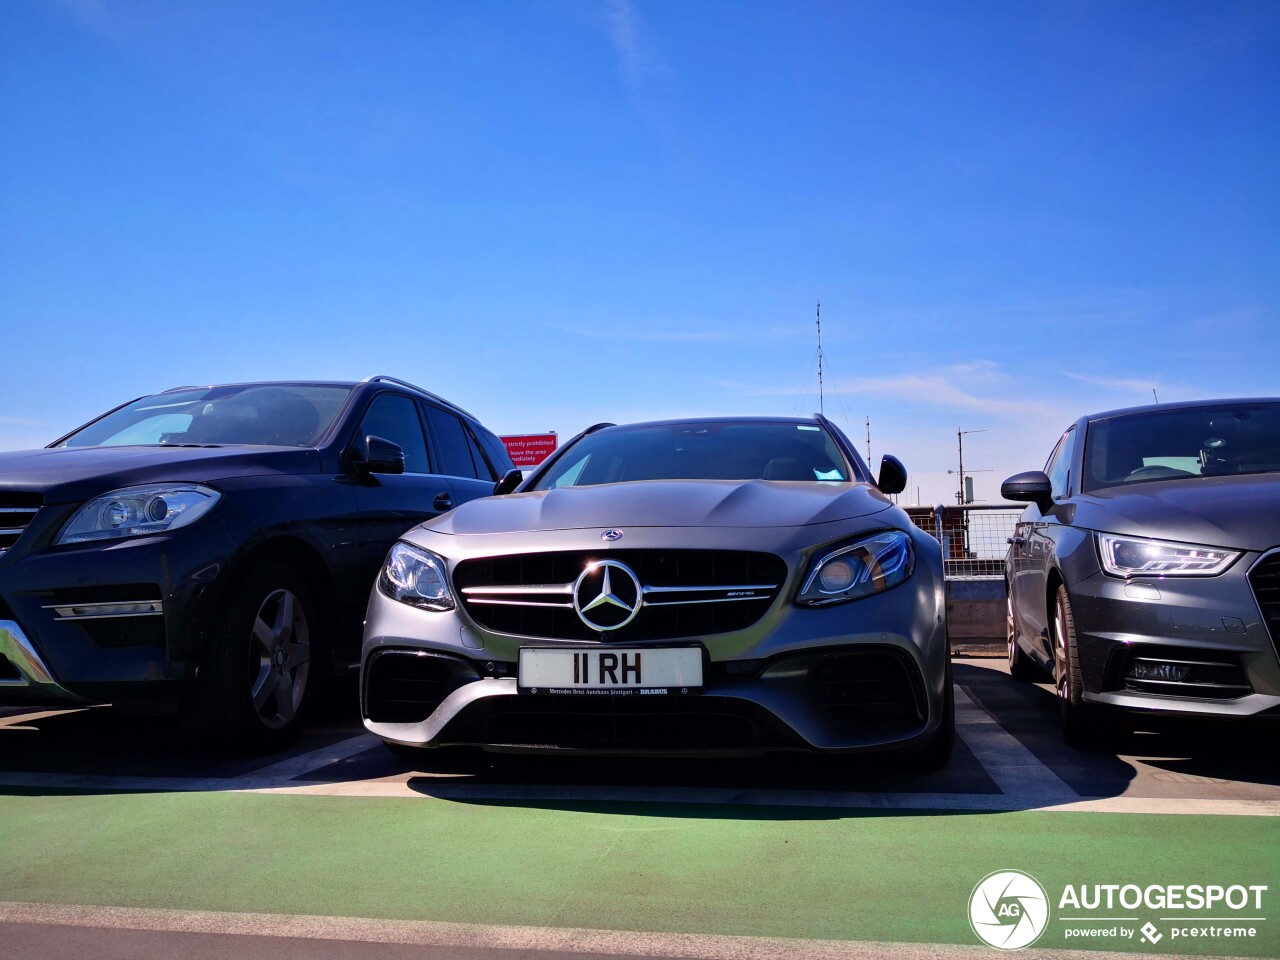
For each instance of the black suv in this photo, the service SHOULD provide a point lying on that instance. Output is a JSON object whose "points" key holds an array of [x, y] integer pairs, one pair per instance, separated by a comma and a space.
{"points": [[210, 550]]}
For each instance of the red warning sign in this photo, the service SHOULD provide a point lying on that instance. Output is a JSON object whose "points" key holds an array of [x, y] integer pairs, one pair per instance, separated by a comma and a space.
{"points": [[530, 449]]}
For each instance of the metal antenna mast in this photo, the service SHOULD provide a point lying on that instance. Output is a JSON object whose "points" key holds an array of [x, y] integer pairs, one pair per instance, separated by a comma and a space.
{"points": [[822, 408], [960, 435], [868, 441]]}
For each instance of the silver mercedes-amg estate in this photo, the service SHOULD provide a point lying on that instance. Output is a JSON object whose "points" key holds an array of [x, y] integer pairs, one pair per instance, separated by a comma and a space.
{"points": [[694, 587]]}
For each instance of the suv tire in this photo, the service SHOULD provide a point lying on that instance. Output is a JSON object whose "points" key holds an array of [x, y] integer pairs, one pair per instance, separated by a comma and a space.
{"points": [[260, 664]]}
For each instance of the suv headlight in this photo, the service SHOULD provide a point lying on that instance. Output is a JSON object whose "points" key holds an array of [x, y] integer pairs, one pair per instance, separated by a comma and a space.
{"points": [[871, 565], [1136, 557], [138, 511], [416, 577]]}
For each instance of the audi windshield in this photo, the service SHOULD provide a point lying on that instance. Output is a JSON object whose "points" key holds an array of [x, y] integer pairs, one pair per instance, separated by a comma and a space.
{"points": [[1215, 440], [700, 451]]}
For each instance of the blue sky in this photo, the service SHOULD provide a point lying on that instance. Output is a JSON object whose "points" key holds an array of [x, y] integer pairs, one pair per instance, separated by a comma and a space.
{"points": [[562, 212]]}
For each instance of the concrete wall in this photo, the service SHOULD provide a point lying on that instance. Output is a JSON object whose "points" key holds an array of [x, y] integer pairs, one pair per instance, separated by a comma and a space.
{"points": [[976, 610]]}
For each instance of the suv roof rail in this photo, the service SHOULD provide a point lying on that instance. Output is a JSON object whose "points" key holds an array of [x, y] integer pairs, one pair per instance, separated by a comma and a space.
{"points": [[383, 378]]}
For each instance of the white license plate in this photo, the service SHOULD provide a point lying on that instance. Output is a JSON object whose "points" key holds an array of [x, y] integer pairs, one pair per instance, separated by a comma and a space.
{"points": [[585, 672]]}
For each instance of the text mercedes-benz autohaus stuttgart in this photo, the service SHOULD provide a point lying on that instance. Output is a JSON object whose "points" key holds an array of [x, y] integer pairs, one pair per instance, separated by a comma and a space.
{"points": [[705, 586]]}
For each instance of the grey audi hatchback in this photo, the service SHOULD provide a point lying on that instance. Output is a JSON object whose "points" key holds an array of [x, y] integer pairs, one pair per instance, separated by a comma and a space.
{"points": [[1145, 574], [685, 587]]}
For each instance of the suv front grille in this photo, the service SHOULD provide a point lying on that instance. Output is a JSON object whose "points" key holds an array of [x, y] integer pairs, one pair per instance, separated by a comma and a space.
{"points": [[1265, 580], [17, 510], [687, 593]]}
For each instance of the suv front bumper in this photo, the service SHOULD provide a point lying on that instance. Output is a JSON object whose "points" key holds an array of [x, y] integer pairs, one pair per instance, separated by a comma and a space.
{"points": [[27, 677]]}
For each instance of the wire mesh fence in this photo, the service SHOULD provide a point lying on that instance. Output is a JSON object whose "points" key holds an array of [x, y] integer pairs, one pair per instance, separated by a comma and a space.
{"points": [[974, 537]]}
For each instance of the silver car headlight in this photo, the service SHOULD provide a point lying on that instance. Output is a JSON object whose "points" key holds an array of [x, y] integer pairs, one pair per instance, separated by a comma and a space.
{"points": [[138, 511], [416, 577], [865, 567], [1137, 557]]}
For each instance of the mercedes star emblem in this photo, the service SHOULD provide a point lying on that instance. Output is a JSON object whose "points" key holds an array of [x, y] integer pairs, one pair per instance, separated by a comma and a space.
{"points": [[611, 535], [607, 595]]}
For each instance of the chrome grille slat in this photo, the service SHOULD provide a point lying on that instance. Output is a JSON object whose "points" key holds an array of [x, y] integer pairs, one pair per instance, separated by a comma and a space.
{"points": [[687, 603], [1192, 684], [516, 603], [717, 589], [17, 511], [549, 589], [1185, 663]]}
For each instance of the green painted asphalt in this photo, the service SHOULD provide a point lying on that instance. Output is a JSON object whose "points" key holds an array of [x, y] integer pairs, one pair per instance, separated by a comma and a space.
{"points": [[760, 871]]}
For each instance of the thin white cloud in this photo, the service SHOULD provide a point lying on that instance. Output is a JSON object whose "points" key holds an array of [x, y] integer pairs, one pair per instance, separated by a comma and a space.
{"points": [[643, 70], [980, 385], [1121, 384], [1143, 389]]}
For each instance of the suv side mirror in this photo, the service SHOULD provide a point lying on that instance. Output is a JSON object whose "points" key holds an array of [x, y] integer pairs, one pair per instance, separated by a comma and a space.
{"points": [[893, 475], [377, 455], [510, 480], [1030, 487]]}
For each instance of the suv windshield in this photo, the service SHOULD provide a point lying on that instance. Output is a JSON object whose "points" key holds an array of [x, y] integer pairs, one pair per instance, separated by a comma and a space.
{"points": [[281, 415], [1209, 441], [699, 451]]}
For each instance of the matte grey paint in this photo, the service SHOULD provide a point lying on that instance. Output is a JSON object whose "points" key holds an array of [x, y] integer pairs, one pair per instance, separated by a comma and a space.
{"points": [[1058, 545], [791, 520]]}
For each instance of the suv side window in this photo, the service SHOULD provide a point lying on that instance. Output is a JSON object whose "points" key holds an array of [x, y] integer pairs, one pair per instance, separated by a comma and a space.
{"points": [[484, 470], [498, 456], [453, 443], [395, 418], [1060, 469]]}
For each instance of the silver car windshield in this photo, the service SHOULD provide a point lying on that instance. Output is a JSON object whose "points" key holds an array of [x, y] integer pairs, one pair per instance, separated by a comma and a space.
{"points": [[700, 451], [1176, 444], [285, 415]]}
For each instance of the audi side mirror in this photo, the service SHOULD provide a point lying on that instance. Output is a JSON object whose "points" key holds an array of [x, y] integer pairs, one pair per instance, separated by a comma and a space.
{"points": [[378, 455], [893, 475], [510, 480], [1030, 487]]}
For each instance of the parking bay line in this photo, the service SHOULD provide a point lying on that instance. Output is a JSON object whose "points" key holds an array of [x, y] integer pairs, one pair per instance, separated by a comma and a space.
{"points": [[1027, 784], [1016, 770], [426, 933]]}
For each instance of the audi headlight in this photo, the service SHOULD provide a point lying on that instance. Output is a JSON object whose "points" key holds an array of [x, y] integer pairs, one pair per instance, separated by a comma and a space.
{"points": [[1135, 557], [416, 577], [859, 569], [138, 511]]}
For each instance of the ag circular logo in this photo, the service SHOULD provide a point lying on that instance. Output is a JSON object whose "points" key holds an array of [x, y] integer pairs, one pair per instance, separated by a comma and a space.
{"points": [[1008, 909], [607, 595]]}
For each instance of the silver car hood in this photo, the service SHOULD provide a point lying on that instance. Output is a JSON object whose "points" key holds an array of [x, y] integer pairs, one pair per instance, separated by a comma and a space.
{"points": [[1241, 512], [666, 503]]}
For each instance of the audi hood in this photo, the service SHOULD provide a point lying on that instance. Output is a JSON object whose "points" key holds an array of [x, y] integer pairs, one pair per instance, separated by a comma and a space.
{"points": [[1237, 512], [666, 503]]}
